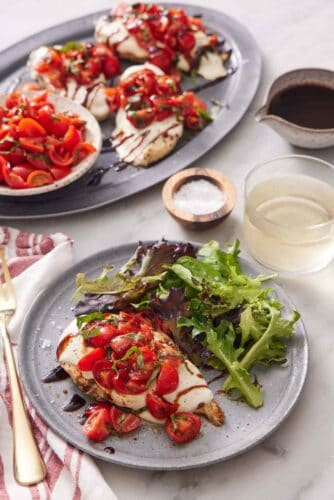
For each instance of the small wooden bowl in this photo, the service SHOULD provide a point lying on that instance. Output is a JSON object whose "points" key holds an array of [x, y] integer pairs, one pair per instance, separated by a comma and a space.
{"points": [[195, 221]]}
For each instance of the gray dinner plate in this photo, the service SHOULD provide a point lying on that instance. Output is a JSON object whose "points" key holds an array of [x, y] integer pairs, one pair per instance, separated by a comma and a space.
{"points": [[237, 91], [149, 446]]}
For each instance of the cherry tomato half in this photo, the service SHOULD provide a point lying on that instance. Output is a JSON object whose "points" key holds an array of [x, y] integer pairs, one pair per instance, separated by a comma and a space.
{"points": [[39, 161], [123, 422], [23, 170], [28, 127], [38, 178], [59, 157], [60, 172], [96, 406], [96, 426], [12, 179], [34, 144], [71, 138], [183, 427], [158, 407]]}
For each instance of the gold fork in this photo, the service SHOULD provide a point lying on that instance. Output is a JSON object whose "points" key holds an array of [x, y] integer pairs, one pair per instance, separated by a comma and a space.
{"points": [[29, 467]]}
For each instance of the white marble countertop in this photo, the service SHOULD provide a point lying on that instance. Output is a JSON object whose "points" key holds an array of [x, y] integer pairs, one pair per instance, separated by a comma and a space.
{"points": [[297, 462]]}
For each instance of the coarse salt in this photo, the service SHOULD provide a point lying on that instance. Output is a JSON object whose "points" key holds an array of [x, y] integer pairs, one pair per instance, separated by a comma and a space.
{"points": [[199, 197]]}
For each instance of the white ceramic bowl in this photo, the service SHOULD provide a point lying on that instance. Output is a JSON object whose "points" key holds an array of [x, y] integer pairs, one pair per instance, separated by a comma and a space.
{"points": [[93, 136]]}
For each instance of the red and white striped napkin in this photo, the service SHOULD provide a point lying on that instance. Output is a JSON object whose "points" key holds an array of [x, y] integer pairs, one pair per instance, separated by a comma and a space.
{"points": [[34, 261]]}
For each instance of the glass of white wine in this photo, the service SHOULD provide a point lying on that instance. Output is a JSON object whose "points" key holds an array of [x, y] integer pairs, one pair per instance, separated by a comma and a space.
{"points": [[289, 213]]}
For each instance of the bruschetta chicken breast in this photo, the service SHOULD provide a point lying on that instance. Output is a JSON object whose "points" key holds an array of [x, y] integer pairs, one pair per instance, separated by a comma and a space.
{"points": [[127, 360], [168, 38], [151, 114], [79, 71]]}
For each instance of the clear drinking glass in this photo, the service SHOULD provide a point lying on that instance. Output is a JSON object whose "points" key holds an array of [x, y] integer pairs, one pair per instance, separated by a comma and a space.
{"points": [[289, 213]]}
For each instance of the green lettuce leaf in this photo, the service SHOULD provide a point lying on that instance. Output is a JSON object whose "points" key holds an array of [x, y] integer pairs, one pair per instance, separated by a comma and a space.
{"points": [[270, 346], [220, 341]]}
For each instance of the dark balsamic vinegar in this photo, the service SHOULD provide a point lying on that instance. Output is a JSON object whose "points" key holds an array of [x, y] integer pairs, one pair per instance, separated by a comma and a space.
{"points": [[310, 106]]}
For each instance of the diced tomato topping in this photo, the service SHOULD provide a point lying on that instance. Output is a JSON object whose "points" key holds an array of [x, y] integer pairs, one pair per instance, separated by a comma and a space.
{"points": [[158, 407], [103, 373], [186, 41], [168, 379], [86, 363], [183, 427], [162, 58], [123, 422], [148, 97], [107, 333], [120, 345], [84, 63], [126, 385]]}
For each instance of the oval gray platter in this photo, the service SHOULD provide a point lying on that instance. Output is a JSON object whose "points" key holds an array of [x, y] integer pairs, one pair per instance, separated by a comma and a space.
{"points": [[149, 447], [237, 91]]}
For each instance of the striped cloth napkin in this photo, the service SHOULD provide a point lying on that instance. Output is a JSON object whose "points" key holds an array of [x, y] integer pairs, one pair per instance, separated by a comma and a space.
{"points": [[34, 261]]}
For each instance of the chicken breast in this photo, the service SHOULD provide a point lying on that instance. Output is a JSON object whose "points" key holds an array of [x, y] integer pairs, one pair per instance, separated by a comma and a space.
{"points": [[91, 96], [144, 146], [192, 393]]}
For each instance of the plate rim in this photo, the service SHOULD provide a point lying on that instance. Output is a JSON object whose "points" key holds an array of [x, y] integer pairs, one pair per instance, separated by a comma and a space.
{"points": [[15, 55], [152, 463]]}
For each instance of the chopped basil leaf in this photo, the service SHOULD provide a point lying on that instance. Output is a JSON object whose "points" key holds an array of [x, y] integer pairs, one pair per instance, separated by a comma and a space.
{"points": [[153, 376], [132, 350], [81, 320], [71, 46], [205, 115], [87, 334]]}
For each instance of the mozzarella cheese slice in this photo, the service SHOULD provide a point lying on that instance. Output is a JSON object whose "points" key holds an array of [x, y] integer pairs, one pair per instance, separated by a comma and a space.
{"points": [[115, 34], [211, 66], [144, 146], [191, 393]]}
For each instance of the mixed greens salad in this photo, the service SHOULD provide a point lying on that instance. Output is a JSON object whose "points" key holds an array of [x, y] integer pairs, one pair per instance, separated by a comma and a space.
{"points": [[218, 316]]}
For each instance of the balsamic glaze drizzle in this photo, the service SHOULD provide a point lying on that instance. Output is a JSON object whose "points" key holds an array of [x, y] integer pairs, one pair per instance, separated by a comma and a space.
{"points": [[96, 175], [109, 449], [55, 375], [74, 403]]}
